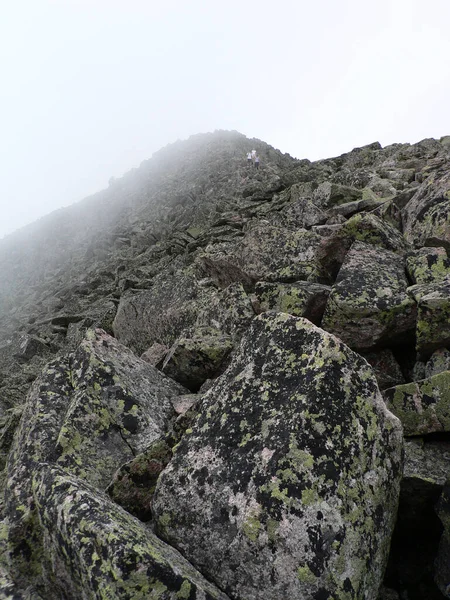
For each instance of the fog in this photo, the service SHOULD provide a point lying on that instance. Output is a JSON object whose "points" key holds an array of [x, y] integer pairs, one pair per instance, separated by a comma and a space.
{"points": [[92, 88]]}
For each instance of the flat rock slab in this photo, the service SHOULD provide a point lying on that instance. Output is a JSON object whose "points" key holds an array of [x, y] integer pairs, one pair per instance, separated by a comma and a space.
{"points": [[422, 406], [287, 484], [368, 305]]}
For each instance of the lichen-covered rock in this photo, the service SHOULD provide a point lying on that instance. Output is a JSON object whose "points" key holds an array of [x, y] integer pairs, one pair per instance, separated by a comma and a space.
{"points": [[422, 406], [229, 310], [134, 483], [367, 228], [88, 413], [439, 361], [372, 230], [196, 356], [300, 213], [427, 461], [94, 549], [286, 485], [159, 314], [330, 194], [277, 254], [368, 305], [301, 299], [433, 315], [428, 265], [385, 367], [426, 216]]}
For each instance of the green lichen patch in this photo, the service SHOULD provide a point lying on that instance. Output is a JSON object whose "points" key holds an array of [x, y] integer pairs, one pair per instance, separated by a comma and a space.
{"points": [[422, 406], [303, 473]]}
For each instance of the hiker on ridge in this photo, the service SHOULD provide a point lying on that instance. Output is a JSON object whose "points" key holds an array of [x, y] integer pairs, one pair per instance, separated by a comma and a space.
{"points": [[249, 158], [256, 161]]}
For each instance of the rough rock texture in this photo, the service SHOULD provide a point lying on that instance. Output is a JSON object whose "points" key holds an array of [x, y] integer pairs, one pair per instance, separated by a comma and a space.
{"points": [[433, 315], [315, 463], [111, 554], [194, 238], [196, 356], [368, 305], [422, 406], [428, 265], [301, 299], [88, 413]]}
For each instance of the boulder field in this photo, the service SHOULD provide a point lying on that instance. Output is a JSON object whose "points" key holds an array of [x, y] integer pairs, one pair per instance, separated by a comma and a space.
{"points": [[221, 383]]}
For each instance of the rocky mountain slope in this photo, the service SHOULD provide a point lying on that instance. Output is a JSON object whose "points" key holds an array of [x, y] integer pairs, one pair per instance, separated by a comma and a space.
{"points": [[219, 381]]}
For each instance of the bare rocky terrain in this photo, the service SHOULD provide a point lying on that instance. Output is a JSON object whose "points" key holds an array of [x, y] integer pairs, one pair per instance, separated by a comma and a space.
{"points": [[222, 382]]}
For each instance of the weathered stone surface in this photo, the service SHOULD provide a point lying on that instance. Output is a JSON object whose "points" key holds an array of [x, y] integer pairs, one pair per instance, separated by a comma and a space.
{"points": [[288, 480], [426, 216], [277, 254], [428, 461], [159, 314], [368, 304], [438, 362], [385, 367], [428, 265], [300, 213], [301, 299], [367, 228], [94, 549], [229, 310], [88, 413], [422, 406], [134, 483], [330, 194], [433, 315], [196, 356], [155, 354]]}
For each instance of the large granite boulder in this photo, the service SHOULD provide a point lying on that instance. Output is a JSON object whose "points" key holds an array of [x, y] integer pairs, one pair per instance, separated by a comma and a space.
{"points": [[286, 486], [94, 549], [368, 306], [278, 254], [88, 413], [428, 265]]}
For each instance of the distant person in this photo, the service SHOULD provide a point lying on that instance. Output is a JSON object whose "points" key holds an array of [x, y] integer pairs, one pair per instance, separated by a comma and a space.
{"points": [[249, 158], [253, 154], [256, 161]]}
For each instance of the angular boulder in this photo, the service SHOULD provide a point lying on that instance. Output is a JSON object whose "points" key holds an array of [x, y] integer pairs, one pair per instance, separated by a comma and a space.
{"points": [[286, 486], [196, 356], [428, 265], [422, 406], [433, 316], [94, 549], [88, 413], [159, 314], [301, 299], [278, 254], [368, 305]]}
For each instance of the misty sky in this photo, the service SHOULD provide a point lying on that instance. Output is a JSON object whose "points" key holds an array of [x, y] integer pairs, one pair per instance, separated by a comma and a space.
{"points": [[90, 88]]}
